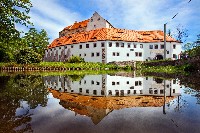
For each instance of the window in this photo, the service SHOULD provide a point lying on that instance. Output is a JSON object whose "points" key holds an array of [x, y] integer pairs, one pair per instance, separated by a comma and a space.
{"points": [[136, 54], [97, 83], [102, 44], [134, 92], [94, 26], [84, 54], [113, 53], [91, 20], [129, 45], [174, 46], [110, 44], [156, 46], [97, 54], [84, 81], [72, 46], [117, 44], [174, 91], [127, 82], [167, 52], [140, 83], [102, 92], [92, 82], [161, 91], [80, 55], [80, 89], [113, 83], [122, 45], [94, 45], [128, 91], [87, 45], [92, 54], [131, 49], [117, 53], [150, 91], [174, 56], [162, 46], [135, 46], [136, 83], [109, 92], [95, 92], [150, 46], [87, 91], [155, 91], [54, 48], [65, 47], [127, 54], [117, 83], [80, 46], [141, 45], [140, 54]]}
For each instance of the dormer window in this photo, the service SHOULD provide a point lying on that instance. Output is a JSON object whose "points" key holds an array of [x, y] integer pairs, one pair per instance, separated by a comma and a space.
{"points": [[91, 19], [98, 19]]}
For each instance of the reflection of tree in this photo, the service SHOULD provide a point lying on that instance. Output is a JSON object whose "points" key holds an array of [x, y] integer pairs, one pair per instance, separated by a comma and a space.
{"points": [[13, 91]]}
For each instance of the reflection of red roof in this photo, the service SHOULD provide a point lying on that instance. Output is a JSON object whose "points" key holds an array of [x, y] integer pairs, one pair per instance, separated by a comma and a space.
{"points": [[112, 34], [77, 25]]}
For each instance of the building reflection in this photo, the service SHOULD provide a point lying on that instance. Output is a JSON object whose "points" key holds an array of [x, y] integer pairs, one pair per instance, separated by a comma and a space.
{"points": [[97, 95]]}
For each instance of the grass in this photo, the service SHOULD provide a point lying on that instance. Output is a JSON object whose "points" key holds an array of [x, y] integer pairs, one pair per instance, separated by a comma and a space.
{"points": [[84, 65]]}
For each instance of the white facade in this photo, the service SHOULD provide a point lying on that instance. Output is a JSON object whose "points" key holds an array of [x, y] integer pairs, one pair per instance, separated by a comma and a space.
{"points": [[97, 22], [101, 51], [106, 85], [117, 51]]}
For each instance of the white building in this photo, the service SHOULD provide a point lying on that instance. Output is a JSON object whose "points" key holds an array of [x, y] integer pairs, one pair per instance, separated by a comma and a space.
{"points": [[107, 85], [96, 40]]}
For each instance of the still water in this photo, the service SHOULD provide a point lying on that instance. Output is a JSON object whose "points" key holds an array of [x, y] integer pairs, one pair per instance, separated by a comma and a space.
{"points": [[97, 103]]}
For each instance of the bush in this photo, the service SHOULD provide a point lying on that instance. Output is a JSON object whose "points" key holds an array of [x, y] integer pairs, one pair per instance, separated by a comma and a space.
{"points": [[27, 56], [75, 59]]}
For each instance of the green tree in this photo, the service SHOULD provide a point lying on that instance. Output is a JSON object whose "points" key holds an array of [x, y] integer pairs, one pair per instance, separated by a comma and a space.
{"points": [[35, 40], [12, 12], [27, 56]]}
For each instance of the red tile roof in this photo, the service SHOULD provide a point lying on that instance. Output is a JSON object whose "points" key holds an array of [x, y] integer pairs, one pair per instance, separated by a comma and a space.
{"points": [[112, 34], [77, 25]]}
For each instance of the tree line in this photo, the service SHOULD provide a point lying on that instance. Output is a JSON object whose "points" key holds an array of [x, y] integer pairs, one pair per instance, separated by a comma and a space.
{"points": [[15, 45]]}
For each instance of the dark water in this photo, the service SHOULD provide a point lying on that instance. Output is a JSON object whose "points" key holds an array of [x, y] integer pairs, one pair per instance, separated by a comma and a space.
{"points": [[97, 103]]}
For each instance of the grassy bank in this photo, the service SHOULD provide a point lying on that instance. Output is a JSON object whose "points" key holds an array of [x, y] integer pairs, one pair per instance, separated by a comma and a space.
{"points": [[145, 68], [63, 66]]}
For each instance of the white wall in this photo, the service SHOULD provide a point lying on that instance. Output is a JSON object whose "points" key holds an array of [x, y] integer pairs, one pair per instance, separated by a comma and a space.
{"points": [[114, 86], [144, 48], [97, 22]]}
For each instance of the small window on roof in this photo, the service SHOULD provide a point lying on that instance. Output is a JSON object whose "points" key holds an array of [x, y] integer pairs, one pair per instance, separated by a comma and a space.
{"points": [[91, 19]]}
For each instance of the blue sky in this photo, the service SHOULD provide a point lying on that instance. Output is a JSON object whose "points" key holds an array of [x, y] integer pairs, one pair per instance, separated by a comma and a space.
{"points": [[54, 15]]}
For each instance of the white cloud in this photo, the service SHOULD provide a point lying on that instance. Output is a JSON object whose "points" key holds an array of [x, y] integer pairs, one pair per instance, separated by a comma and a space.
{"points": [[52, 16]]}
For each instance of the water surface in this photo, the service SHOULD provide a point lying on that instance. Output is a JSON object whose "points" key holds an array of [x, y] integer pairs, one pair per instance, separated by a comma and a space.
{"points": [[97, 103]]}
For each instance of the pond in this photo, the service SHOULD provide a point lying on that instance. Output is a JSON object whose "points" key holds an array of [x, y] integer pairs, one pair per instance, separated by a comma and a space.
{"points": [[97, 103]]}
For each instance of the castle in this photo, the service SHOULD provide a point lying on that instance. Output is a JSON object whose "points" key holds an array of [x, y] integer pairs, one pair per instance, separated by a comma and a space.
{"points": [[97, 40]]}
